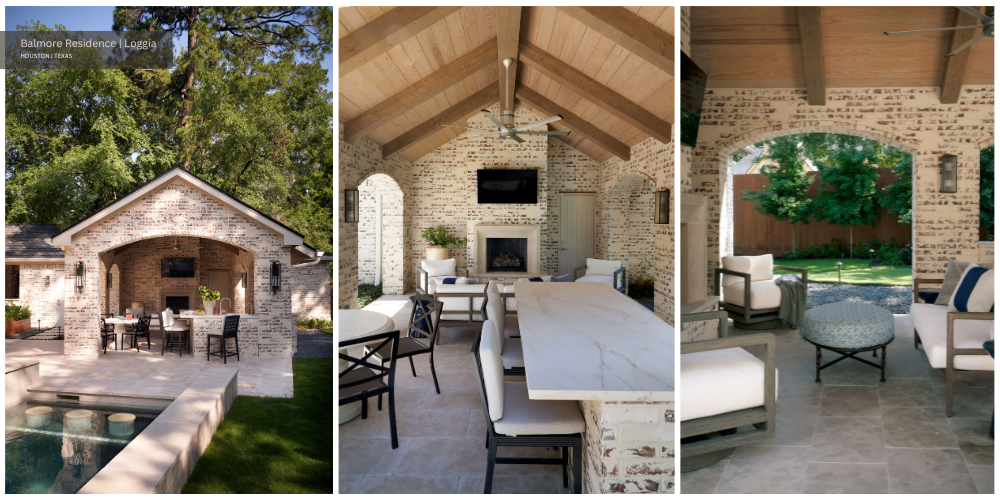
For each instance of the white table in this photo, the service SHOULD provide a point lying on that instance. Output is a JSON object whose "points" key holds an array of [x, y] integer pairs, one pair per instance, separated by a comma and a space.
{"points": [[587, 341], [354, 324], [120, 326]]}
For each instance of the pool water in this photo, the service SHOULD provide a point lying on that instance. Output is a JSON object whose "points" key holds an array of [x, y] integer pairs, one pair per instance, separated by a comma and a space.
{"points": [[56, 451]]}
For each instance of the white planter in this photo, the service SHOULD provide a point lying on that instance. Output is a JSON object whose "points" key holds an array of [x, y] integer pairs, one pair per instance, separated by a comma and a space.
{"points": [[437, 252], [210, 306]]}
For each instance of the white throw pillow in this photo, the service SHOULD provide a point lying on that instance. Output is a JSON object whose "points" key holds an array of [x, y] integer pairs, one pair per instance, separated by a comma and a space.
{"points": [[489, 355], [439, 267], [602, 267], [760, 267], [974, 292]]}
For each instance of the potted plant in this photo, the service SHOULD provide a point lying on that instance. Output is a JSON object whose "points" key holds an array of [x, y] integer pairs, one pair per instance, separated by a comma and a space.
{"points": [[439, 238], [210, 298], [17, 319]]}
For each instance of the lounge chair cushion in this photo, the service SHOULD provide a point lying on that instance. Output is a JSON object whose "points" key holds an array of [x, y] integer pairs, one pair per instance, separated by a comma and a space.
{"points": [[974, 292], [525, 417], [602, 267], [489, 355], [596, 278], [721, 381], [763, 294], [931, 323], [439, 267], [461, 303], [760, 267]]}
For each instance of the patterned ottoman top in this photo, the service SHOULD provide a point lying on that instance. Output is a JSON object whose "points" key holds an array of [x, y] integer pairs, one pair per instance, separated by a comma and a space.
{"points": [[848, 325]]}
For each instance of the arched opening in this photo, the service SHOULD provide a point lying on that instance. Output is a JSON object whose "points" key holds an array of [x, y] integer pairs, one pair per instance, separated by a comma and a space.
{"points": [[381, 234], [631, 233]]}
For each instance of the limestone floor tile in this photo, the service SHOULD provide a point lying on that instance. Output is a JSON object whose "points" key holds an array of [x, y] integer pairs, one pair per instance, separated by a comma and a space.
{"points": [[453, 358], [974, 440], [794, 426], [443, 456], [702, 481], [907, 392], [982, 475], [917, 428], [765, 469], [849, 401], [526, 469], [432, 423], [800, 391], [369, 456], [827, 478], [477, 425], [347, 483], [905, 364], [513, 485], [968, 402], [409, 484], [848, 440], [457, 380], [453, 399], [458, 335], [849, 371], [941, 471], [936, 375]]}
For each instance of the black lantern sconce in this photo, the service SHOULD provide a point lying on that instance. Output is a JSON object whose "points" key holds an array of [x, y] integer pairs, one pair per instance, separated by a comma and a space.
{"points": [[351, 205], [949, 174], [275, 276], [81, 275], [662, 207]]}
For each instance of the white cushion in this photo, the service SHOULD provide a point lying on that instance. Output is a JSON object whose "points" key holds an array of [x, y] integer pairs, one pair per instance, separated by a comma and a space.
{"points": [[489, 355], [461, 303], [763, 294], [760, 267], [439, 267], [511, 305], [494, 311], [434, 282], [931, 323], [513, 354], [596, 278], [524, 417], [493, 286], [722, 381], [602, 267], [977, 291], [168, 318], [545, 279]]}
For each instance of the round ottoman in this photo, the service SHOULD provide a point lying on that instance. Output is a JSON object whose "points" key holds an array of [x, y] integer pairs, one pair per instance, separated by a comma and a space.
{"points": [[848, 328]]}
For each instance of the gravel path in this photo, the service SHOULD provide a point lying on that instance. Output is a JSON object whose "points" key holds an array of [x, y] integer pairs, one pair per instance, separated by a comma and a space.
{"points": [[314, 344], [894, 298]]}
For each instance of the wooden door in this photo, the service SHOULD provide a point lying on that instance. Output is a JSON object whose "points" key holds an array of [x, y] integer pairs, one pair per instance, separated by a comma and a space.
{"points": [[576, 230]]}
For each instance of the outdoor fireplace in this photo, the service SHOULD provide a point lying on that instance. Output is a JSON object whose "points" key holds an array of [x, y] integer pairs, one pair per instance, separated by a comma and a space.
{"points": [[176, 304], [507, 255]]}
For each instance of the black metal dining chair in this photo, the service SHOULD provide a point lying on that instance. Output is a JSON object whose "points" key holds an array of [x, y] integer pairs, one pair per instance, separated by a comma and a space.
{"points": [[424, 319], [362, 379], [108, 331], [230, 328], [141, 330]]}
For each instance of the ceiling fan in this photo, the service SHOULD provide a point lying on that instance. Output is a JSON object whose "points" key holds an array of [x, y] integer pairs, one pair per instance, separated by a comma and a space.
{"points": [[987, 27], [506, 121], [177, 247]]}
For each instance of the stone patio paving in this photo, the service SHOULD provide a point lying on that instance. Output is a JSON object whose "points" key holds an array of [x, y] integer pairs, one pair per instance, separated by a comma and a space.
{"points": [[854, 434]]}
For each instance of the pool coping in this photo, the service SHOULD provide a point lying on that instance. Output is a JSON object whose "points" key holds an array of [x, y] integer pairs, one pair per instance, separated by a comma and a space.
{"points": [[162, 457]]}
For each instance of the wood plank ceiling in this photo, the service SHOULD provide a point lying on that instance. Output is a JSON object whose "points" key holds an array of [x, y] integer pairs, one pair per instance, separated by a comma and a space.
{"points": [[377, 92], [761, 47]]}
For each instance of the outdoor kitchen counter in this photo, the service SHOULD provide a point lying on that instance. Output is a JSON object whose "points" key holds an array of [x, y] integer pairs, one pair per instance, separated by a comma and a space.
{"points": [[201, 323]]}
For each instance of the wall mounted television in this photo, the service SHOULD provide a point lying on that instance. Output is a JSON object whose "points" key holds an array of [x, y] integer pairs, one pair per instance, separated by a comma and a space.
{"points": [[693, 83], [507, 186], [177, 268]]}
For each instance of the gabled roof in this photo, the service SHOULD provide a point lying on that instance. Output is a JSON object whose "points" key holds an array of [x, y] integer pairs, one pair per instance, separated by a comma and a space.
{"points": [[291, 237], [27, 241]]}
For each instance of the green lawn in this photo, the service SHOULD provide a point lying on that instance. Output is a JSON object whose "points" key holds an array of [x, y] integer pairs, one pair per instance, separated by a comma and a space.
{"points": [[854, 271], [328, 331], [274, 445]]}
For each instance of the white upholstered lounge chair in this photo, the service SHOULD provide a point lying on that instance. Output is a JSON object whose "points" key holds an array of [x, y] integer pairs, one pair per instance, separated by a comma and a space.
{"points": [[603, 271], [749, 293]]}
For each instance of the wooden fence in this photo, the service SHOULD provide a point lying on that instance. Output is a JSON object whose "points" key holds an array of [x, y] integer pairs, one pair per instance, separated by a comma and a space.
{"points": [[754, 233]]}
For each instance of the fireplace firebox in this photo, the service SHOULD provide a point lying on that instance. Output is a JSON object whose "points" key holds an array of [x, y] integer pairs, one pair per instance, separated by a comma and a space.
{"points": [[507, 255], [176, 304]]}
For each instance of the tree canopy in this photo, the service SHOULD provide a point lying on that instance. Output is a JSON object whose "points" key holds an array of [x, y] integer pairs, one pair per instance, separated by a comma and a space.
{"points": [[786, 196], [847, 194]]}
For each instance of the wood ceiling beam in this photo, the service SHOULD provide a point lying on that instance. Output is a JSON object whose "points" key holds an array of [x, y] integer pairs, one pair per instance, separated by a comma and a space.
{"points": [[812, 54], [954, 66], [474, 102], [508, 33], [526, 96], [419, 92], [385, 32], [627, 29], [595, 92]]}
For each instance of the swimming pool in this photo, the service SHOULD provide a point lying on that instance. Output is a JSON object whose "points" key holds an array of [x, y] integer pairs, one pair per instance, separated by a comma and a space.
{"points": [[53, 447]]}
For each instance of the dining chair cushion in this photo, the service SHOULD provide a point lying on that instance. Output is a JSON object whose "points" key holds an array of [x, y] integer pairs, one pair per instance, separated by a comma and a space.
{"points": [[513, 354], [168, 318], [760, 267], [523, 416], [177, 327], [494, 311], [489, 356], [493, 286], [602, 267], [763, 294], [721, 381], [511, 304], [596, 278]]}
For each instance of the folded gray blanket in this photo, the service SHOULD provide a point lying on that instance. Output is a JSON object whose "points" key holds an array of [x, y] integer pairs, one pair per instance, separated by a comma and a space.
{"points": [[793, 302]]}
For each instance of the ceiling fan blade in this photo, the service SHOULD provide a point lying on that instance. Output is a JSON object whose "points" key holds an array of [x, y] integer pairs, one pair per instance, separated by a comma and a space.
{"points": [[516, 138], [539, 122], [494, 120], [966, 44], [932, 29], [529, 132], [975, 13]]}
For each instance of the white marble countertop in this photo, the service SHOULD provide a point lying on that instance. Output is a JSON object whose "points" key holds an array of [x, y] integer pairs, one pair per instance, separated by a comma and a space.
{"points": [[212, 316], [587, 341]]}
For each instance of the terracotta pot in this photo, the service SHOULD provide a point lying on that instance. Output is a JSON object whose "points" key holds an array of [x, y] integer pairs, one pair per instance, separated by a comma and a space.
{"points": [[437, 252], [15, 327]]}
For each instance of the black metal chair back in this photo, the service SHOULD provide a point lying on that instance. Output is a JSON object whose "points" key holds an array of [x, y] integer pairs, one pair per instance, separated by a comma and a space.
{"points": [[142, 327], [425, 318], [231, 326], [362, 371]]}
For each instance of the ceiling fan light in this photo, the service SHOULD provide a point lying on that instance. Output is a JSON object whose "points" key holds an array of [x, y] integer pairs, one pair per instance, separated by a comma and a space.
{"points": [[507, 118]]}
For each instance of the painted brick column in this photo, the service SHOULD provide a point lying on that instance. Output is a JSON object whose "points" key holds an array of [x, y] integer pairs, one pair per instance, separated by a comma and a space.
{"points": [[83, 308], [630, 446]]}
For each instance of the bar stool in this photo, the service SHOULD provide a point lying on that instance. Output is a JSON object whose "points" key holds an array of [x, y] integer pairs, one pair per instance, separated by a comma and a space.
{"points": [[174, 335], [229, 330]]}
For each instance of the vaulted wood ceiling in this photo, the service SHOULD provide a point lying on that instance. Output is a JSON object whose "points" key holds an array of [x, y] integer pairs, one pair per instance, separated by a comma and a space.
{"points": [[763, 47], [607, 70]]}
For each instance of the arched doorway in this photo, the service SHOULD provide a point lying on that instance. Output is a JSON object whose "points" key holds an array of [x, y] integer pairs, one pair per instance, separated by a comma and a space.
{"points": [[381, 234], [631, 234]]}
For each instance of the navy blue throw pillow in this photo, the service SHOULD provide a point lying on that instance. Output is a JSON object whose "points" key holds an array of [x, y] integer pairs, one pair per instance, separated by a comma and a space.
{"points": [[424, 323], [448, 281], [539, 280], [566, 278]]}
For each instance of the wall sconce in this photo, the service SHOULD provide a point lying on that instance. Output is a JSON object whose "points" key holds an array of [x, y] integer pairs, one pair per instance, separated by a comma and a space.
{"points": [[949, 174], [351, 208], [275, 276], [662, 210], [81, 273], [109, 281]]}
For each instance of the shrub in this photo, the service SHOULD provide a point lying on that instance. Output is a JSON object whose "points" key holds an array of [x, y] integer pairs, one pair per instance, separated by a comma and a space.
{"points": [[439, 235], [14, 312], [887, 253], [313, 323], [367, 293]]}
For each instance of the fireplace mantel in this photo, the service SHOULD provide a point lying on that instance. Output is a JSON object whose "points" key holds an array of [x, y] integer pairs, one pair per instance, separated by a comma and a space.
{"points": [[531, 232]]}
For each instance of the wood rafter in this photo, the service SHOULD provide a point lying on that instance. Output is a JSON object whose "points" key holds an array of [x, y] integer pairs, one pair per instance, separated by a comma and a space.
{"points": [[419, 92], [474, 102], [508, 34], [385, 32], [812, 54], [539, 104], [954, 66], [632, 32]]}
